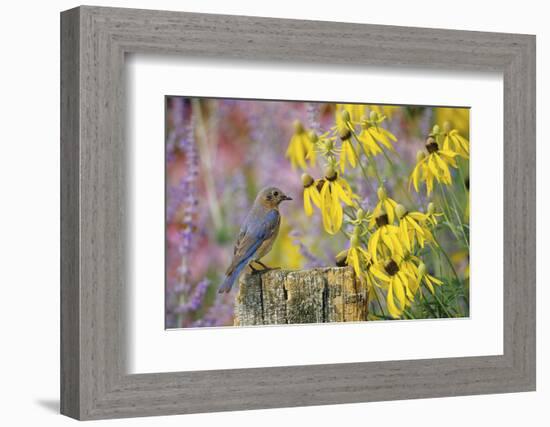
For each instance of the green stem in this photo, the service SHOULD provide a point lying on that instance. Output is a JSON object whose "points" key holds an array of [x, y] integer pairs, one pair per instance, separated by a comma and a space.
{"points": [[348, 236], [447, 210], [378, 300], [440, 248], [442, 305], [408, 315], [461, 176], [363, 170], [369, 158], [460, 223], [388, 159], [427, 305]]}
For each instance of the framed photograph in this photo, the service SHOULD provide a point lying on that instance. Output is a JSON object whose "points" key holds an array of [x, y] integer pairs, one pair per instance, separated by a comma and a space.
{"points": [[380, 189], [281, 213]]}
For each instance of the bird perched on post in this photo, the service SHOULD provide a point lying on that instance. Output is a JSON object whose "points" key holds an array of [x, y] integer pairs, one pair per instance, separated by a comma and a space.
{"points": [[258, 232]]}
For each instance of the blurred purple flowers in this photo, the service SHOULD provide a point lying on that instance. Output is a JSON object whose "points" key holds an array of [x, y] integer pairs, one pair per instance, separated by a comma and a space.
{"points": [[185, 299]]}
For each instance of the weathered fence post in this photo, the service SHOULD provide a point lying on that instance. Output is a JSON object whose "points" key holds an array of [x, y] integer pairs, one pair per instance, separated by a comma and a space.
{"points": [[331, 294]]}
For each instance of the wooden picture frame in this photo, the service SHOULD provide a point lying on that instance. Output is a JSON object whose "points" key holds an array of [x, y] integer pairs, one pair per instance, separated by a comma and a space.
{"points": [[94, 382]]}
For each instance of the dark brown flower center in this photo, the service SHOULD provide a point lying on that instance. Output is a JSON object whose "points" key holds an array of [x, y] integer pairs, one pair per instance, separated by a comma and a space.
{"points": [[341, 259], [382, 220], [320, 184], [332, 176], [431, 145], [345, 134], [391, 268]]}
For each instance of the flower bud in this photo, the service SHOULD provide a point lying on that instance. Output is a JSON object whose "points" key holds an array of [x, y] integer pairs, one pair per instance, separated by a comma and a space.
{"points": [[381, 193], [422, 269], [420, 155], [435, 130], [313, 136], [373, 116], [431, 208], [400, 211], [307, 180], [360, 214], [447, 127], [298, 127], [354, 241], [344, 114]]}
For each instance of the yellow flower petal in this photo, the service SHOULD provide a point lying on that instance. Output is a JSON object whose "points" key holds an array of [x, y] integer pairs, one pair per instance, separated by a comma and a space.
{"points": [[373, 245], [433, 279], [376, 272], [399, 290], [405, 234], [353, 259], [392, 308], [429, 284], [326, 208], [444, 169], [340, 193], [307, 203], [389, 210]]}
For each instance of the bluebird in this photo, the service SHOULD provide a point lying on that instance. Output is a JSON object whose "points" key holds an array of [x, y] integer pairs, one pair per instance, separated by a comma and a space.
{"points": [[258, 232]]}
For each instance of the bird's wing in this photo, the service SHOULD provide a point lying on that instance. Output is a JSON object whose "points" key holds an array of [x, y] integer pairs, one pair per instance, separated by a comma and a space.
{"points": [[252, 236]]}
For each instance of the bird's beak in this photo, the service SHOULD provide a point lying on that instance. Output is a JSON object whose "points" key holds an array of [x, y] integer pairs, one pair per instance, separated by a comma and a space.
{"points": [[287, 198]]}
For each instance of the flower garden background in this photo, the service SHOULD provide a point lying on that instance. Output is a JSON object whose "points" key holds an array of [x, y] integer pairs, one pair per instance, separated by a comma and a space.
{"points": [[384, 189]]}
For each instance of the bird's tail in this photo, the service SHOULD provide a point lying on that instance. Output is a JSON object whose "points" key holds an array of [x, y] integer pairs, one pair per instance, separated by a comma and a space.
{"points": [[230, 279]]}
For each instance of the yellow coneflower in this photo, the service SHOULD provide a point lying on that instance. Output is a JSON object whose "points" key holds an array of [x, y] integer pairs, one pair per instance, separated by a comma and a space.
{"points": [[373, 136], [347, 154], [385, 240], [459, 117], [412, 227], [453, 141], [354, 111], [311, 193], [408, 264], [300, 147], [325, 144], [428, 279], [397, 284], [343, 130], [431, 215], [434, 165], [334, 190], [357, 256], [385, 204], [384, 110], [362, 219]]}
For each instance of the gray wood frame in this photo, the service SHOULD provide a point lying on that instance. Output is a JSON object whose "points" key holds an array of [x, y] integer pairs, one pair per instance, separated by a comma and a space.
{"points": [[94, 41]]}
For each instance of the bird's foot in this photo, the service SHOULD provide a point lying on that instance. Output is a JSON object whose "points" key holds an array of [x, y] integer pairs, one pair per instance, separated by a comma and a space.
{"points": [[264, 269]]}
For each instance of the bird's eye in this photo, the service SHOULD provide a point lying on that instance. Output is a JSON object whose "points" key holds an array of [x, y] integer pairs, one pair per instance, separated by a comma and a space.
{"points": [[276, 193]]}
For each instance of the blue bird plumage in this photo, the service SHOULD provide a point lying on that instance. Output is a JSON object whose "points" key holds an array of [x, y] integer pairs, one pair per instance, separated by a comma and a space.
{"points": [[258, 232]]}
